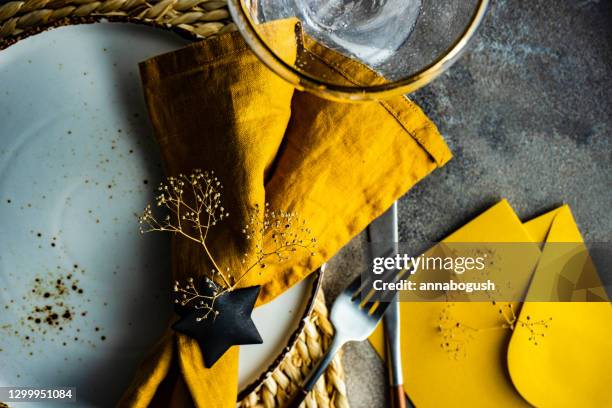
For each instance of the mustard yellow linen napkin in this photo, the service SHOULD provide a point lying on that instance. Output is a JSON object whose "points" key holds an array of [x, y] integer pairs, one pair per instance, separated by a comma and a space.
{"points": [[214, 106], [477, 376], [212, 98]]}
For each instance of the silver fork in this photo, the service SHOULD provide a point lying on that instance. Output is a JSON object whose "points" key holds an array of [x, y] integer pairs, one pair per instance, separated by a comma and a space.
{"points": [[354, 314]]}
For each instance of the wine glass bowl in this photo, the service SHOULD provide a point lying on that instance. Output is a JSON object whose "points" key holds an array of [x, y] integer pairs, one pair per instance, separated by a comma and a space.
{"points": [[407, 42]]}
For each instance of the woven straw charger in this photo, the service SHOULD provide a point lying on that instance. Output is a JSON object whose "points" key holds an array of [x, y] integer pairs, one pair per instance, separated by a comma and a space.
{"points": [[196, 20]]}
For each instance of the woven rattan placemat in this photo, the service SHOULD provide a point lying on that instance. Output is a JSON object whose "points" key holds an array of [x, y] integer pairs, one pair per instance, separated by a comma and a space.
{"points": [[195, 19]]}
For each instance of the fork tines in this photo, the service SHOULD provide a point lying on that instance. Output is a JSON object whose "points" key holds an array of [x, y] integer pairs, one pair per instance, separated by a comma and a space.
{"points": [[376, 301]]}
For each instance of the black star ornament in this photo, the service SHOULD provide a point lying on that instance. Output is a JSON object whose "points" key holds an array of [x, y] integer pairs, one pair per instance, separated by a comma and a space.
{"points": [[231, 326]]}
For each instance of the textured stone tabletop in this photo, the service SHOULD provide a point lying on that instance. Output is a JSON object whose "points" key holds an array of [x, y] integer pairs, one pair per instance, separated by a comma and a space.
{"points": [[527, 113]]}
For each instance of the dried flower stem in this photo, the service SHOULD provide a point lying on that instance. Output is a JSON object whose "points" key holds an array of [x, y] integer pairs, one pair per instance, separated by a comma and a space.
{"points": [[286, 232], [191, 214], [189, 294], [457, 335]]}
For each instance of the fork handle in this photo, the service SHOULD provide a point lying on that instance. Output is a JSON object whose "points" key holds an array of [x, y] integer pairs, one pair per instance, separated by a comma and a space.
{"points": [[314, 375]]}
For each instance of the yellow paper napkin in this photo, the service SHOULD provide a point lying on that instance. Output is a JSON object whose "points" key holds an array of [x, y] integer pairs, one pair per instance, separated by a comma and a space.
{"points": [[477, 375], [570, 365], [474, 377], [214, 106]]}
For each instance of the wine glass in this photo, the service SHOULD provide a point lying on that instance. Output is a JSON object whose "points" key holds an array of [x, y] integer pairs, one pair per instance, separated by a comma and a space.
{"points": [[407, 42]]}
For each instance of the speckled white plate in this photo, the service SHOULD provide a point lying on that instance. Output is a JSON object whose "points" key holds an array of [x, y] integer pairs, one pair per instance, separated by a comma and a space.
{"points": [[82, 294]]}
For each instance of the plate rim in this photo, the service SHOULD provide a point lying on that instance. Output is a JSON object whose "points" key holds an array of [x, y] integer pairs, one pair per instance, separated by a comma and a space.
{"points": [[317, 286]]}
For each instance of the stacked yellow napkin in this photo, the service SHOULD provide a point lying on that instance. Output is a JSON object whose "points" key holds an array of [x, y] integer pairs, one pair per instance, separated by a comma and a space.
{"points": [[572, 368], [214, 106], [569, 366]]}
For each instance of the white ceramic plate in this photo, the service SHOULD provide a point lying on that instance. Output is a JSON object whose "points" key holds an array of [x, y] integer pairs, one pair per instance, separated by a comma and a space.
{"points": [[77, 164]]}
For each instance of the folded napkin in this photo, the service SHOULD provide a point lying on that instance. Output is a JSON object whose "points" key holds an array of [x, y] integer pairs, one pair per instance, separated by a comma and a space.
{"points": [[572, 368], [567, 367], [214, 106]]}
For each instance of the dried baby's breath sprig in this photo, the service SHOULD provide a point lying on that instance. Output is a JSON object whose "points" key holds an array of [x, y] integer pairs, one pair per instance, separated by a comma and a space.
{"points": [[276, 235], [190, 295], [537, 328], [193, 204], [456, 335]]}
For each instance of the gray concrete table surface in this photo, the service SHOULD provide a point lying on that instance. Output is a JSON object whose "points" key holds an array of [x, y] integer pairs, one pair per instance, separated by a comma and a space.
{"points": [[527, 113]]}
